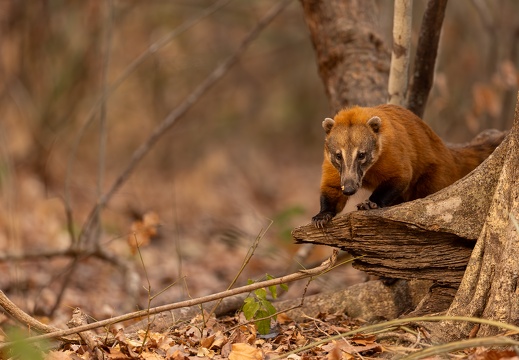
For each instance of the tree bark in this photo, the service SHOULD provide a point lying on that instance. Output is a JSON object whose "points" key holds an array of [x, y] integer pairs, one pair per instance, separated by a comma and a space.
{"points": [[490, 286], [371, 301], [351, 57]]}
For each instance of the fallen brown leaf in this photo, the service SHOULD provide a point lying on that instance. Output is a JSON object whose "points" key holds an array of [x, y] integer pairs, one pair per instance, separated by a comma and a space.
{"points": [[363, 339], [59, 355], [176, 353], [242, 351], [495, 355], [143, 231]]}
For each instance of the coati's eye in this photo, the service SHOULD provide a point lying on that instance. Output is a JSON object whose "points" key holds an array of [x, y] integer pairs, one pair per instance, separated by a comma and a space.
{"points": [[361, 155], [338, 156]]}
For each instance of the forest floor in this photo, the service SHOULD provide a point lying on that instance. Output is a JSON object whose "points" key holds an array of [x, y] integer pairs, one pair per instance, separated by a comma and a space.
{"points": [[327, 336], [211, 255]]}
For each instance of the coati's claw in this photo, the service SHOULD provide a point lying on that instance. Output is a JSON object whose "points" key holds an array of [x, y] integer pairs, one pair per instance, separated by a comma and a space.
{"points": [[321, 219], [367, 205]]}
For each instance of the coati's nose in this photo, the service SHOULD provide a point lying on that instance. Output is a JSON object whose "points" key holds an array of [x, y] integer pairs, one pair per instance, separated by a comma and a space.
{"points": [[349, 189]]}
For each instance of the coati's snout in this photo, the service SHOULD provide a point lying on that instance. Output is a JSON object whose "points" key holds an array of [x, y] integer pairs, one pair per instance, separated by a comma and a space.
{"points": [[349, 187]]}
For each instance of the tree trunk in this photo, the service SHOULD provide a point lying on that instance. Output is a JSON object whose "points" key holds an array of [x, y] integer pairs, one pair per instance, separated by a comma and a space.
{"points": [[490, 286], [351, 57]]}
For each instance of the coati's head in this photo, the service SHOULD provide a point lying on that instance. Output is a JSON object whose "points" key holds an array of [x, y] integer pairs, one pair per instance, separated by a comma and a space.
{"points": [[352, 146]]}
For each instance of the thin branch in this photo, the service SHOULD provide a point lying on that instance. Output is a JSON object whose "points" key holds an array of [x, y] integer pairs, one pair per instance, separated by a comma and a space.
{"points": [[108, 27], [179, 111], [102, 111], [245, 262], [399, 71], [68, 276], [426, 52], [192, 302], [489, 24]]}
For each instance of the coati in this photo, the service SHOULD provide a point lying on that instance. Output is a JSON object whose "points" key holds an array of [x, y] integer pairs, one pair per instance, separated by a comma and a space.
{"points": [[393, 154]]}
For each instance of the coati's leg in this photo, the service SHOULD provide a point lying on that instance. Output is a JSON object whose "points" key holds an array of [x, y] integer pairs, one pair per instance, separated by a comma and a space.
{"points": [[386, 194], [332, 203]]}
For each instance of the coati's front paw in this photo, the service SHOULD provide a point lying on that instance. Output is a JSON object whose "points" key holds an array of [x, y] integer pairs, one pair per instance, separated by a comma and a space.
{"points": [[367, 205], [321, 219]]}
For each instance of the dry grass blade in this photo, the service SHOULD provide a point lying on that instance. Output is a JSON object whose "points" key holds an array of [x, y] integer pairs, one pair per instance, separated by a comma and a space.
{"points": [[387, 324], [464, 344]]}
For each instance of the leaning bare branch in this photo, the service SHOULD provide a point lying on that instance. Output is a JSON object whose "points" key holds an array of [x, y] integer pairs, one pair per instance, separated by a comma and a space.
{"points": [[399, 72], [179, 111], [151, 50], [425, 60]]}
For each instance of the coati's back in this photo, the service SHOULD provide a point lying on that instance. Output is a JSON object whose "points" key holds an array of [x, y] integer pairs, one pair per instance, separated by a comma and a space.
{"points": [[435, 164], [468, 156], [413, 152]]}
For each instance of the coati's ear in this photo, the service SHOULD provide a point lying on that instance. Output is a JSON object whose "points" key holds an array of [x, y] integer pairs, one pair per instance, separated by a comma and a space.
{"points": [[374, 123], [328, 124]]}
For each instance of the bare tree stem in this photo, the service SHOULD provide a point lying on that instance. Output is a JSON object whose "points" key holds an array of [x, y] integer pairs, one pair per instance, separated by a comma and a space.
{"points": [[399, 72], [426, 52]]}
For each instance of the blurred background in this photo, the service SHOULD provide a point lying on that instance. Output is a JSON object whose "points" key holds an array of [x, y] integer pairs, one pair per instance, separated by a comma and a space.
{"points": [[243, 162]]}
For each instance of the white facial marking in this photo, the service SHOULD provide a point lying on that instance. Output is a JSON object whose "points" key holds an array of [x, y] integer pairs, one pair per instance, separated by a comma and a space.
{"points": [[349, 161], [353, 157]]}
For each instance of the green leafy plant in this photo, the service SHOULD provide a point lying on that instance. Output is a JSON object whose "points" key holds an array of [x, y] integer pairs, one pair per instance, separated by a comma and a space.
{"points": [[21, 349], [257, 307]]}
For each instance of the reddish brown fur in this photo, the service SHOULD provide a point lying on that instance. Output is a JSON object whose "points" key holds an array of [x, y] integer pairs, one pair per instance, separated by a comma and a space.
{"points": [[412, 158]]}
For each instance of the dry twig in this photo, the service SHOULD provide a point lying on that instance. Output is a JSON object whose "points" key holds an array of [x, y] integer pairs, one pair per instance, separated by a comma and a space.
{"points": [[326, 266], [24, 318], [79, 318]]}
